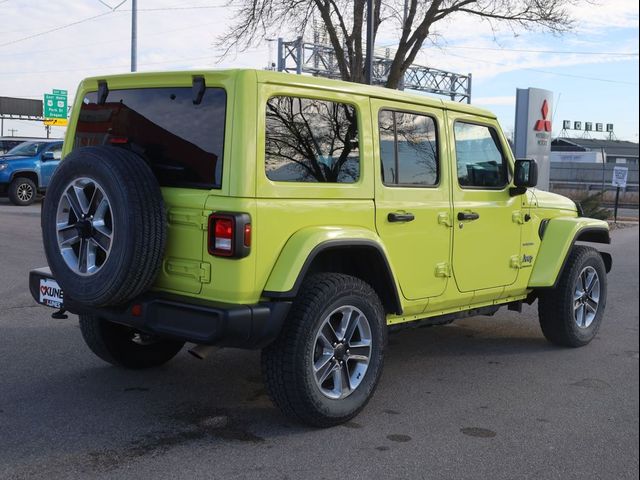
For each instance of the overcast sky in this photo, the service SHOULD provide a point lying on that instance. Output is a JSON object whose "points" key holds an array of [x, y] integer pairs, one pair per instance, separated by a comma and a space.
{"points": [[592, 71]]}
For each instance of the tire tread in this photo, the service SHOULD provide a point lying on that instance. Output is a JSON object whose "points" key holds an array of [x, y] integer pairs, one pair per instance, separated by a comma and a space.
{"points": [[553, 304], [281, 365]]}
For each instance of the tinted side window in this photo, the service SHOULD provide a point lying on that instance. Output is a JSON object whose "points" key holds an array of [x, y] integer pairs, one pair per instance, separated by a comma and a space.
{"points": [[479, 158], [309, 140], [408, 149]]}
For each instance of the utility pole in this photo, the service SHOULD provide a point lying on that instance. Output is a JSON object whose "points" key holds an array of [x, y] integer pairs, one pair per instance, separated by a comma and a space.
{"points": [[368, 67], [134, 35], [12, 131]]}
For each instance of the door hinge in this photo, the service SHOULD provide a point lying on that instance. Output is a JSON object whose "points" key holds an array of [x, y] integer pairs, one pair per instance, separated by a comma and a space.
{"points": [[518, 217], [443, 270], [192, 218], [205, 272], [199, 271], [516, 262], [444, 219]]}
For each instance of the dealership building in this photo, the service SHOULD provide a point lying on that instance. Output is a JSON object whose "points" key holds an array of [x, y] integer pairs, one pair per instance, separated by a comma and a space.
{"points": [[593, 150]]}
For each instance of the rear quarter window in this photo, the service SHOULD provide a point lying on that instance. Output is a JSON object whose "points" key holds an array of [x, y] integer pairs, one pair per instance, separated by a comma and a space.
{"points": [[311, 140]]}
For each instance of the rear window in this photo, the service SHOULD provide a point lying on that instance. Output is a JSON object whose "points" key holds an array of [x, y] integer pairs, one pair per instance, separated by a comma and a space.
{"points": [[183, 143]]}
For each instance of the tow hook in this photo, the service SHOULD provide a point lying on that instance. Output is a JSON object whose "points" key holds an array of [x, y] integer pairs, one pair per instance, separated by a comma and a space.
{"points": [[203, 351], [59, 314]]}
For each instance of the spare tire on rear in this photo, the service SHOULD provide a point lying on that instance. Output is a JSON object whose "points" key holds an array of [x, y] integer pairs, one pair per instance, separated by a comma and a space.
{"points": [[103, 225]]}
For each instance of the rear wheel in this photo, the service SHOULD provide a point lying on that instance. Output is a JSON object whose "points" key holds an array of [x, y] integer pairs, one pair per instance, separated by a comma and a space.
{"points": [[571, 313], [22, 191], [325, 365], [124, 346]]}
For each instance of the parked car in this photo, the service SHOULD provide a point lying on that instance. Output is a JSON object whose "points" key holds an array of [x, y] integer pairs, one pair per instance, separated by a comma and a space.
{"points": [[7, 143], [26, 169], [305, 217]]}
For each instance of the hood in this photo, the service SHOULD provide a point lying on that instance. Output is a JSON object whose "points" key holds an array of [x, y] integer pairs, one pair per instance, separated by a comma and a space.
{"points": [[8, 158], [553, 200]]}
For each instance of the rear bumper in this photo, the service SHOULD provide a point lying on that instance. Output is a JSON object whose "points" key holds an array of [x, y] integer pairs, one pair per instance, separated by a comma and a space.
{"points": [[185, 318]]}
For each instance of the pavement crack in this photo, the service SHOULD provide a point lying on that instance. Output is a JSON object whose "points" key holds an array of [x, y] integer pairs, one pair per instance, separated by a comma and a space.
{"points": [[17, 307]]}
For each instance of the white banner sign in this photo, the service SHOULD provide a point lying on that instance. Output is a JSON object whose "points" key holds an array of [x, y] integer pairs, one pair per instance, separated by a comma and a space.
{"points": [[620, 177]]}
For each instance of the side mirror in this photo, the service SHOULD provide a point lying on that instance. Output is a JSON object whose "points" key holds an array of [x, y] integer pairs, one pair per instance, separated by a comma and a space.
{"points": [[47, 156], [525, 175]]}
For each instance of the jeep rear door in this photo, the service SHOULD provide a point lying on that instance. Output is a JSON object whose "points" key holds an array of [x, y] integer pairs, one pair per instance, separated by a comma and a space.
{"points": [[488, 220], [413, 207], [182, 138]]}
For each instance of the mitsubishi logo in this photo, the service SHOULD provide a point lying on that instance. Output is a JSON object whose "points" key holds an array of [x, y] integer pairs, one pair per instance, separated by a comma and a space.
{"points": [[543, 124]]}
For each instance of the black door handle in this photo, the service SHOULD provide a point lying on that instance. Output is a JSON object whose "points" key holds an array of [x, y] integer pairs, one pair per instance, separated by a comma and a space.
{"points": [[400, 217], [468, 216]]}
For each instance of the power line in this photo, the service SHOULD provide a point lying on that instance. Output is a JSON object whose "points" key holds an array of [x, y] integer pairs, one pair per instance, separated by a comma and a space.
{"points": [[169, 9], [84, 46], [102, 67], [91, 45], [609, 54], [94, 17], [558, 52], [61, 27], [582, 77]]}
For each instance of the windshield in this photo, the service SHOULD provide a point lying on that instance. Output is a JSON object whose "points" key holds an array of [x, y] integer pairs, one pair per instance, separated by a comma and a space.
{"points": [[28, 149]]}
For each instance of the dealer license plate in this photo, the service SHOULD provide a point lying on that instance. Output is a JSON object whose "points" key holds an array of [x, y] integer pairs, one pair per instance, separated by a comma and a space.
{"points": [[50, 293]]}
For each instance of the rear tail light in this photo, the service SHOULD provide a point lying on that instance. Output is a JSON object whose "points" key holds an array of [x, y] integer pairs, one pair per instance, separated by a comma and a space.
{"points": [[229, 234], [223, 236], [117, 140]]}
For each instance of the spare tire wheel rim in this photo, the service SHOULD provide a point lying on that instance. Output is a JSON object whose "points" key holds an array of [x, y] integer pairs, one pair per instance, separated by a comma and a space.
{"points": [[342, 351], [84, 226]]}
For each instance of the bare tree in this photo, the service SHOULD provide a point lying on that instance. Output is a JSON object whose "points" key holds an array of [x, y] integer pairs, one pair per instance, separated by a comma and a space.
{"points": [[344, 21]]}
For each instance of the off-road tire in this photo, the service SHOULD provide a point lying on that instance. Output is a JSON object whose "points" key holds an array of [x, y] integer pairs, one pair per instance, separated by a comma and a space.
{"points": [[139, 225], [556, 306], [287, 363], [115, 344], [15, 187]]}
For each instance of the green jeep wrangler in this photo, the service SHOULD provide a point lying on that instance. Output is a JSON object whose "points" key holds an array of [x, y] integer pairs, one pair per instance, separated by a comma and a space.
{"points": [[305, 217]]}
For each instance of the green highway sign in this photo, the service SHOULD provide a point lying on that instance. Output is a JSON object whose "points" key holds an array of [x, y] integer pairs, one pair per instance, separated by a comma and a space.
{"points": [[55, 104]]}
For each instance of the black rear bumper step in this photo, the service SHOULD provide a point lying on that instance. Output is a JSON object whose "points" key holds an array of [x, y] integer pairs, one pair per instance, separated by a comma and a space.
{"points": [[187, 319]]}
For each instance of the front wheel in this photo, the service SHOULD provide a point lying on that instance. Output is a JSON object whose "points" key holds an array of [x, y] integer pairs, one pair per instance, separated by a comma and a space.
{"points": [[22, 191], [571, 313], [325, 365], [124, 346]]}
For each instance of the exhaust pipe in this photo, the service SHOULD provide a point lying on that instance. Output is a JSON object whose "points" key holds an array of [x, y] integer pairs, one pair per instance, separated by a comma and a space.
{"points": [[203, 351]]}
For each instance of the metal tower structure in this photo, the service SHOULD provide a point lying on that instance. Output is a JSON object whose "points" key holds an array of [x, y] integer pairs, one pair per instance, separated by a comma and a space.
{"points": [[298, 56]]}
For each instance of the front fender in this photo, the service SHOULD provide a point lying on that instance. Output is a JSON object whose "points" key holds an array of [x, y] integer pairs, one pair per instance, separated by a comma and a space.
{"points": [[25, 172], [305, 243], [559, 236]]}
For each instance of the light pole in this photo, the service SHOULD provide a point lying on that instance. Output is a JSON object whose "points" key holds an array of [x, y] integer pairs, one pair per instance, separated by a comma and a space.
{"points": [[368, 66], [134, 35]]}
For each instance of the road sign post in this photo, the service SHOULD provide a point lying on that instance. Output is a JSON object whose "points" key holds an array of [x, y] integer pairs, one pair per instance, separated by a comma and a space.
{"points": [[619, 181]]}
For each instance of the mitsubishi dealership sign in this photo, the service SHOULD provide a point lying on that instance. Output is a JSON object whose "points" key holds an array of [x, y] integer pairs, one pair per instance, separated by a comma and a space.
{"points": [[533, 129]]}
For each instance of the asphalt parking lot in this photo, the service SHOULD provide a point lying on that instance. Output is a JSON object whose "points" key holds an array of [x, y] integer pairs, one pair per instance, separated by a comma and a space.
{"points": [[486, 397]]}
